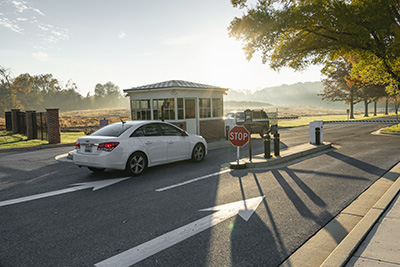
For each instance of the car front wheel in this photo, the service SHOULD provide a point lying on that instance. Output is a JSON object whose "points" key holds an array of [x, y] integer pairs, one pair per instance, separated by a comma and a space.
{"points": [[136, 164], [198, 152]]}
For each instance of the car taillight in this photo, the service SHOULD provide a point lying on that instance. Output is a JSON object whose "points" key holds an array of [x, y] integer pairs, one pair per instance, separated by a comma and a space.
{"points": [[107, 146], [77, 145]]}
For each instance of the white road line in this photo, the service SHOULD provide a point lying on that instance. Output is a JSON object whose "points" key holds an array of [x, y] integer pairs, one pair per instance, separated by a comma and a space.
{"points": [[81, 186], [193, 180], [243, 208]]}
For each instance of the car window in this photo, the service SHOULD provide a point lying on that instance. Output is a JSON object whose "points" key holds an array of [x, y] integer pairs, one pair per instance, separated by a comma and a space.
{"points": [[230, 116], [114, 130], [148, 130], [138, 133], [169, 130], [240, 115]]}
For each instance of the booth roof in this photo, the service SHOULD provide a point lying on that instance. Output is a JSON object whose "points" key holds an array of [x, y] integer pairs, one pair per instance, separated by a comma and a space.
{"points": [[173, 84]]}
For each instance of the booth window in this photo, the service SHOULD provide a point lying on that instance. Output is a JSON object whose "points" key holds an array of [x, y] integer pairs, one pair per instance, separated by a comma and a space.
{"points": [[217, 107], [190, 108], [205, 107], [141, 110], [180, 108], [169, 110]]}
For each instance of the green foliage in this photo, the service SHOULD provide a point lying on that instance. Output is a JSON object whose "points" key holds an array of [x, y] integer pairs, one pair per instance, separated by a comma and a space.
{"points": [[38, 92], [10, 140], [107, 93], [392, 129], [5, 89], [345, 84], [300, 33]]}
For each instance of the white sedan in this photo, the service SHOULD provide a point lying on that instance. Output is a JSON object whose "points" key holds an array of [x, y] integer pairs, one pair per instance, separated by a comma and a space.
{"points": [[135, 145]]}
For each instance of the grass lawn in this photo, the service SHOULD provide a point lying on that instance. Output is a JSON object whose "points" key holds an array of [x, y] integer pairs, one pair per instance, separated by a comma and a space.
{"points": [[71, 137], [392, 129], [303, 121], [9, 140]]}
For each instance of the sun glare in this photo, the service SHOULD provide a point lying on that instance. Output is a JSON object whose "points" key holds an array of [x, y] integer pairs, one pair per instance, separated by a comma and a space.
{"points": [[224, 63]]}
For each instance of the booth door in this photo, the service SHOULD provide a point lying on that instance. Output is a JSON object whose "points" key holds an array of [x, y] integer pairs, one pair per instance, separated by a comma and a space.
{"points": [[191, 115]]}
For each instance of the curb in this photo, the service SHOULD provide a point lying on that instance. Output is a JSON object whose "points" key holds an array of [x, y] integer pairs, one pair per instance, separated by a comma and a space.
{"points": [[25, 148], [346, 249], [285, 158]]}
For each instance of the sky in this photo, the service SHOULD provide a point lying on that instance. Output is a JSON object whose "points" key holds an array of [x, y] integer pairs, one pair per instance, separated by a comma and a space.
{"points": [[133, 43]]}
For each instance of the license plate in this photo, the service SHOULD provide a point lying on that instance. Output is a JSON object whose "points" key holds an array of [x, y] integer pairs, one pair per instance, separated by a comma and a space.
{"points": [[88, 149]]}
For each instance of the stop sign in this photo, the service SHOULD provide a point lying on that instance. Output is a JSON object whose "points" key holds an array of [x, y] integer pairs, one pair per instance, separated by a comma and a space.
{"points": [[239, 136]]}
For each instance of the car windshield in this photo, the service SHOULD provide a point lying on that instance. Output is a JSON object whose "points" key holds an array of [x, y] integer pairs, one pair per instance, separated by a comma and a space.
{"points": [[235, 115], [240, 115], [114, 130]]}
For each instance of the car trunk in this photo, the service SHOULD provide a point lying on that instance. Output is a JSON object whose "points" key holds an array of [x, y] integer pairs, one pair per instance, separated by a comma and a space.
{"points": [[89, 144]]}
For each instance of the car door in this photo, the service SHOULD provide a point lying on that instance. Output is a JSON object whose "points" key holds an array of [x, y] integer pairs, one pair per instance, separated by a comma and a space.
{"points": [[177, 142], [150, 135]]}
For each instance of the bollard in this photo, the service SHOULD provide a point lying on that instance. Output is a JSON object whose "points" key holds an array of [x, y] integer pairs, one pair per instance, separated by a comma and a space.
{"points": [[317, 136], [267, 146], [276, 145]]}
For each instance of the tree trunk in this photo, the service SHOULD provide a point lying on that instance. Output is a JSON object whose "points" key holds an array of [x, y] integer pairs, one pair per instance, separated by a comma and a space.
{"points": [[366, 108], [375, 107], [351, 106], [387, 106]]}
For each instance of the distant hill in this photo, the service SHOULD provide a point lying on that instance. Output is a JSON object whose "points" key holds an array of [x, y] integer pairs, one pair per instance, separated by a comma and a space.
{"points": [[299, 94], [248, 104]]}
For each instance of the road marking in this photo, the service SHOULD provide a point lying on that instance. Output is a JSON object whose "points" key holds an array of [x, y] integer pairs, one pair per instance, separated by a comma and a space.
{"points": [[193, 180], [134, 255], [81, 186]]}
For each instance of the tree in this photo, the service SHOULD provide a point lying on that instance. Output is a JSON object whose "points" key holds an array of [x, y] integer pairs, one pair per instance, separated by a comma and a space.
{"points": [[371, 93], [5, 89], [107, 95], [298, 33], [24, 94], [69, 98], [338, 85], [49, 88]]}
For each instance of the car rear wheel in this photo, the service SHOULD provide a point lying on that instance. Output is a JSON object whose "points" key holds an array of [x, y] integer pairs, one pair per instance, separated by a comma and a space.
{"points": [[198, 152], [136, 164], [96, 169]]}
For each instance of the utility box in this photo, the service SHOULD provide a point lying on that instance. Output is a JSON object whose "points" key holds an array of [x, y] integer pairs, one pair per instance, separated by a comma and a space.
{"points": [[316, 132]]}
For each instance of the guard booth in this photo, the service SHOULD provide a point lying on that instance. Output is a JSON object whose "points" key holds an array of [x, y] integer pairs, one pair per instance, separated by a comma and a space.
{"points": [[196, 108], [316, 132]]}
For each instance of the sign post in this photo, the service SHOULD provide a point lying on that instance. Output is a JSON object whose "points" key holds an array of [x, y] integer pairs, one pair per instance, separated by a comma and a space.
{"points": [[248, 120], [238, 136]]}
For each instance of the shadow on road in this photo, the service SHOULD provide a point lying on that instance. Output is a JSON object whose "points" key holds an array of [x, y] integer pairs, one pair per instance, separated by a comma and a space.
{"points": [[357, 163]]}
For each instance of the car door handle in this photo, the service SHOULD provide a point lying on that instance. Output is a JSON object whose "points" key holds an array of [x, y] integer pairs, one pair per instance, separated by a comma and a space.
{"points": [[170, 142], [147, 143]]}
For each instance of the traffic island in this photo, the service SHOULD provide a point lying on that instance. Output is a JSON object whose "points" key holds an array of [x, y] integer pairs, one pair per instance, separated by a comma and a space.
{"points": [[238, 165], [292, 153]]}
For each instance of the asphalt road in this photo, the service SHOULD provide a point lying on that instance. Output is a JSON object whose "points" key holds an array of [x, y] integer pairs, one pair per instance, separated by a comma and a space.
{"points": [[85, 227]]}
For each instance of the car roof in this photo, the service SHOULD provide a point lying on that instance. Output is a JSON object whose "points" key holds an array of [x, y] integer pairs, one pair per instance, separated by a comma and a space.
{"points": [[136, 122], [141, 122]]}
